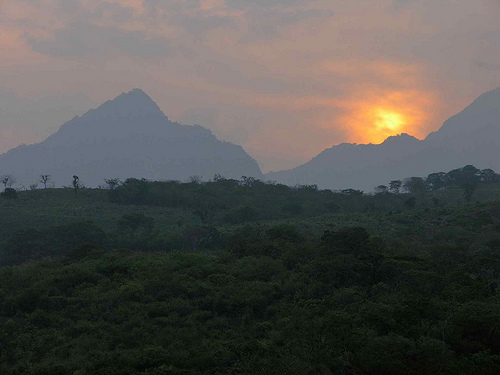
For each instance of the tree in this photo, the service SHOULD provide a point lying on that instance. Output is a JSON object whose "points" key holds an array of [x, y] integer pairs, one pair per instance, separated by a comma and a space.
{"points": [[218, 177], [352, 192], [414, 185], [76, 184], [437, 181], [488, 176], [113, 183], [132, 191], [195, 180], [465, 175], [395, 186], [44, 179], [381, 189], [248, 181], [467, 178], [7, 180]]}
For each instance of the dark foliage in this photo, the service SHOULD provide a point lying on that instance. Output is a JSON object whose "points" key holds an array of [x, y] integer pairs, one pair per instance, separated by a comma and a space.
{"points": [[249, 285], [31, 244], [9, 193]]}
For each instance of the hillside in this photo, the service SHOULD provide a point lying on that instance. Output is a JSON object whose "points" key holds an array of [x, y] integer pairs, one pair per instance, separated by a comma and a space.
{"points": [[128, 136], [246, 277], [470, 137]]}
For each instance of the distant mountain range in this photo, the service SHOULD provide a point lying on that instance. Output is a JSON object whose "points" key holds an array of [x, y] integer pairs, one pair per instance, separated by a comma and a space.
{"points": [[128, 136], [470, 137]]}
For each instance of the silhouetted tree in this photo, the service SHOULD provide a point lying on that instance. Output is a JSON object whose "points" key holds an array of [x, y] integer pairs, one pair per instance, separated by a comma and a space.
{"points": [[76, 183], [488, 176], [395, 186], [218, 177], [248, 181], [414, 185], [465, 175], [112, 183], [7, 180], [352, 192], [437, 181], [44, 179], [381, 189], [467, 178], [195, 179]]}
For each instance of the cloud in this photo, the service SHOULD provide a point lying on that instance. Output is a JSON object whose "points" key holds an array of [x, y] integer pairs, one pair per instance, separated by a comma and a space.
{"points": [[85, 40], [69, 6], [201, 22], [271, 23], [285, 79]]}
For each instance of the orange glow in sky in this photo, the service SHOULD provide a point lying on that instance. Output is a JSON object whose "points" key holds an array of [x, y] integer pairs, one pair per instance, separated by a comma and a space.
{"points": [[283, 79], [388, 120], [380, 115]]}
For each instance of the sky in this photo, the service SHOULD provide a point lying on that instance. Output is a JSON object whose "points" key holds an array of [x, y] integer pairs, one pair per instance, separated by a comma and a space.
{"points": [[284, 79]]}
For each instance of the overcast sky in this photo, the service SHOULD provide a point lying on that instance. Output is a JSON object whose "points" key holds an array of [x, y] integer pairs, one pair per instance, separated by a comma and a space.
{"points": [[285, 79]]}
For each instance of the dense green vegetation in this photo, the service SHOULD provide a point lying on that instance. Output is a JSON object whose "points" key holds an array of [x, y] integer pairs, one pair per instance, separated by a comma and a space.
{"points": [[246, 277]]}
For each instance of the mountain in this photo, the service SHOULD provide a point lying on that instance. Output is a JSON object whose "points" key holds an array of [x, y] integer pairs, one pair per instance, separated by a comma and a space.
{"points": [[128, 136], [470, 137]]}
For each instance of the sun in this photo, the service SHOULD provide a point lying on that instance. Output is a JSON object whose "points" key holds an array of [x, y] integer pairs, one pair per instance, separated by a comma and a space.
{"points": [[374, 116], [388, 120]]}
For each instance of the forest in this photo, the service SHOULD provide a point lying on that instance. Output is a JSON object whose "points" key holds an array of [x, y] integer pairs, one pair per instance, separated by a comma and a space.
{"points": [[251, 277]]}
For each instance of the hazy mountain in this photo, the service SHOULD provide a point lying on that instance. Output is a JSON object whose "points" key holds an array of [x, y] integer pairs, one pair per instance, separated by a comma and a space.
{"points": [[128, 136], [470, 137]]}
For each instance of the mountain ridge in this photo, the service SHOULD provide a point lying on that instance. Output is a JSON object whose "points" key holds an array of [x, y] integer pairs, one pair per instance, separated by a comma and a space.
{"points": [[128, 136], [469, 137]]}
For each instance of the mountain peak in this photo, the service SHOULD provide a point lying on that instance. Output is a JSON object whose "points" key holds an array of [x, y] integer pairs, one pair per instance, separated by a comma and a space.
{"points": [[135, 103], [405, 137], [489, 96], [484, 112]]}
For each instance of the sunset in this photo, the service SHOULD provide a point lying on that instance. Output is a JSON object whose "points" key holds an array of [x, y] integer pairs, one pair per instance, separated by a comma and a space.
{"points": [[239, 187], [388, 121], [250, 71]]}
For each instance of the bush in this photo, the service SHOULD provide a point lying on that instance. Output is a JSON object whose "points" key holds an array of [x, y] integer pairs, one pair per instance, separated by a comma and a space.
{"points": [[9, 193]]}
